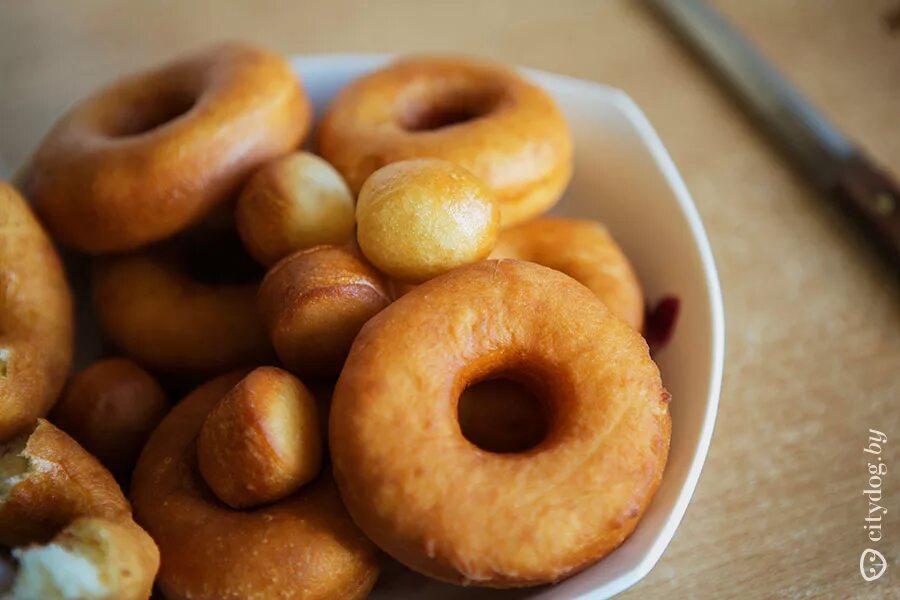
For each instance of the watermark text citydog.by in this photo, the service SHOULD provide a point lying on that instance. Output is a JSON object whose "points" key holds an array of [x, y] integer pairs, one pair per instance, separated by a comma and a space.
{"points": [[872, 563]]}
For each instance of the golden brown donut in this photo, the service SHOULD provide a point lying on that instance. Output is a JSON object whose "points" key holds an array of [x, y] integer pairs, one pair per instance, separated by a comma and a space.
{"points": [[151, 154], [294, 202], [453, 511], [36, 331], [110, 408], [583, 250], [313, 303], [262, 441], [482, 116], [150, 307], [419, 218], [303, 547], [73, 525], [49, 480]]}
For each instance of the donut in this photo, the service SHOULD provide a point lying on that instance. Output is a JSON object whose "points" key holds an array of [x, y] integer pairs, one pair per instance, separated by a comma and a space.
{"points": [[583, 250], [150, 307], [303, 547], [36, 329], [262, 441], [455, 512], [482, 116], [314, 302], [69, 523], [294, 202], [110, 408], [152, 153], [419, 218], [50, 481]]}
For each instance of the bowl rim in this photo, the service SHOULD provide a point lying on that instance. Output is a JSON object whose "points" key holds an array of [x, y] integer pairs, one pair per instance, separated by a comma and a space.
{"points": [[664, 163]]}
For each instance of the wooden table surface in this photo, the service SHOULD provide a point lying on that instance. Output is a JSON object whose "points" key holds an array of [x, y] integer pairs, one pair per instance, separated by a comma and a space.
{"points": [[813, 322]]}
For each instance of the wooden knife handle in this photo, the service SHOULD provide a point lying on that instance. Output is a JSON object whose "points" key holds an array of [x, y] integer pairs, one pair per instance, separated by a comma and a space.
{"points": [[873, 198]]}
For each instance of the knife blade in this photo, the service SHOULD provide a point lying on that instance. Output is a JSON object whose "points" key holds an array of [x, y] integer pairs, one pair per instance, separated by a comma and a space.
{"points": [[824, 155]]}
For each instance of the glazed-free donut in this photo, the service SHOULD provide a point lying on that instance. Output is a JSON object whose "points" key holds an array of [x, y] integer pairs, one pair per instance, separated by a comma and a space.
{"points": [[149, 306], [262, 441], [294, 202], [453, 511], [313, 303], [583, 250], [36, 331], [69, 523], [303, 547], [149, 155], [49, 481], [419, 218], [110, 408], [482, 116]]}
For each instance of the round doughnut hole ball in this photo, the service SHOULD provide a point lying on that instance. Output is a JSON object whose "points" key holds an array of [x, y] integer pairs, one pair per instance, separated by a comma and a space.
{"points": [[313, 304], [110, 408], [297, 201], [262, 441], [419, 218]]}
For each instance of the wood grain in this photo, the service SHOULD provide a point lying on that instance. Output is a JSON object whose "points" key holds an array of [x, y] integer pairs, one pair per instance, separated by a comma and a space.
{"points": [[813, 341]]}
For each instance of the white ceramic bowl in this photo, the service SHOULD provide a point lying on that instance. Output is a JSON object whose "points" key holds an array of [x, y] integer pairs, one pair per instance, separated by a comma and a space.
{"points": [[625, 179]]}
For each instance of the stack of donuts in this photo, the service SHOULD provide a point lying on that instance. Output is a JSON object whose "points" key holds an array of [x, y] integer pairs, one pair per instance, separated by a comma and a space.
{"points": [[386, 352]]}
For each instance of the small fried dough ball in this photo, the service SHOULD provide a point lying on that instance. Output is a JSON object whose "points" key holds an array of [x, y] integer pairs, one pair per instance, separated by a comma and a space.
{"points": [[295, 202], [313, 304], [110, 408], [262, 440], [419, 218]]}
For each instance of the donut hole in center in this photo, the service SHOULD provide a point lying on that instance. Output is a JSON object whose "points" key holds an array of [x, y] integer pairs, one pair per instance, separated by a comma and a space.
{"points": [[503, 415], [216, 256], [446, 109], [224, 264], [151, 112]]}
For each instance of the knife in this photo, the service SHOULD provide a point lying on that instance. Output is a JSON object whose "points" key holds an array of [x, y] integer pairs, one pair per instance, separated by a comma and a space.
{"points": [[827, 158]]}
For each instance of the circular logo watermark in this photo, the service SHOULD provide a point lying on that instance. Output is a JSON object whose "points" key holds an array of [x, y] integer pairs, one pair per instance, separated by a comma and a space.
{"points": [[872, 564]]}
